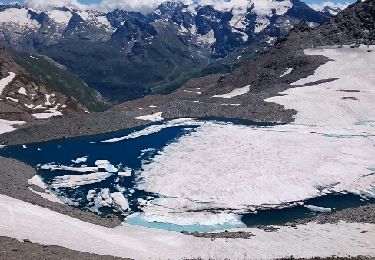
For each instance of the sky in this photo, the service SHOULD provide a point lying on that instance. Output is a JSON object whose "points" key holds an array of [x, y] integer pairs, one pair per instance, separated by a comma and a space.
{"points": [[141, 5]]}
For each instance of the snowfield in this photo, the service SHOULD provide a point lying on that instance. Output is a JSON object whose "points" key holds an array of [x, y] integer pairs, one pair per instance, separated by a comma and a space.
{"points": [[9, 126], [340, 103], [23, 220]]}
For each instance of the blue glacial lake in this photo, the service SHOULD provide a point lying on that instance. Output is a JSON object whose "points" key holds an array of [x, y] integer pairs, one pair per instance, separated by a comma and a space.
{"points": [[126, 151]]}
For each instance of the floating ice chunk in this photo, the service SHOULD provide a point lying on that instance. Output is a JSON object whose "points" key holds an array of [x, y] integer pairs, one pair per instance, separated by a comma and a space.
{"points": [[90, 195], [234, 93], [80, 160], [82, 169], [104, 164], [317, 209], [154, 129], [120, 201], [287, 72], [74, 181], [106, 197], [126, 172], [153, 118]]}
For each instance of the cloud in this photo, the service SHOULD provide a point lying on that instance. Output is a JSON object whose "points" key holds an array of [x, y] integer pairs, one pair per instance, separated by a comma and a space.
{"points": [[320, 6], [47, 5], [144, 6]]}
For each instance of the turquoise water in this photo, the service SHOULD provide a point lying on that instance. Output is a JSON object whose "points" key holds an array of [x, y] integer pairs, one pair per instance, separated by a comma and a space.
{"points": [[132, 154]]}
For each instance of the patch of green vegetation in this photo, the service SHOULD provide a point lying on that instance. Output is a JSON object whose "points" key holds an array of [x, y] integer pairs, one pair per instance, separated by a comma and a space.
{"points": [[59, 79], [124, 73], [219, 66]]}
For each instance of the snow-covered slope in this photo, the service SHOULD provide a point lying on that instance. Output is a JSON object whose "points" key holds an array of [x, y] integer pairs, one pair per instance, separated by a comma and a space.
{"points": [[41, 225]]}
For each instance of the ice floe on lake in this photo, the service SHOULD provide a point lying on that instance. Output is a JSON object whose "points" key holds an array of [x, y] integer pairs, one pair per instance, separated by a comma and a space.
{"points": [[154, 129], [80, 160], [242, 168], [73, 181]]}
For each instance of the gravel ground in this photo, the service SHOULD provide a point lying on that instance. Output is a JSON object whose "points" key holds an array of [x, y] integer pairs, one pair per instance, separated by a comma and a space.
{"points": [[363, 214], [12, 249]]}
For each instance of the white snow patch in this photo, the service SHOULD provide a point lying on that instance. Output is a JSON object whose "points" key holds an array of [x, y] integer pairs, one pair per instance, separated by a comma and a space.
{"points": [[153, 118], [5, 81], [354, 69], [208, 38], [9, 126], [51, 112], [234, 93], [60, 17], [19, 17], [22, 91], [287, 72], [12, 99], [47, 194]]}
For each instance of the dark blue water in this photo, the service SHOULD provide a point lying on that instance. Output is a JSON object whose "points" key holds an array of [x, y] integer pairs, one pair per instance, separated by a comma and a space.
{"points": [[133, 153]]}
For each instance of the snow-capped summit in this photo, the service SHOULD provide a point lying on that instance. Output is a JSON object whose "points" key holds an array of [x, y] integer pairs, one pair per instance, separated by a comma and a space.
{"points": [[187, 32], [331, 10], [330, 7]]}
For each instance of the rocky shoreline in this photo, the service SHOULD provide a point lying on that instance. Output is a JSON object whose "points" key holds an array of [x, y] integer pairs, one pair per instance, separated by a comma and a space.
{"points": [[14, 176]]}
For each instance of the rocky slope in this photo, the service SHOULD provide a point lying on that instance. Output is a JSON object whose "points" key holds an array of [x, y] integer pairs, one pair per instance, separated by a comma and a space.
{"points": [[24, 97], [110, 51]]}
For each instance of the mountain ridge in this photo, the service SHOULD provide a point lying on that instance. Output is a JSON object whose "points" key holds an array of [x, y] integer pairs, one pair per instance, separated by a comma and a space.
{"points": [[127, 43]]}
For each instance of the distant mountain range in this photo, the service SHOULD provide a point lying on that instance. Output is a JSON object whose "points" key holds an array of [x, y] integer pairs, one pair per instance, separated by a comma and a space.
{"points": [[125, 55]]}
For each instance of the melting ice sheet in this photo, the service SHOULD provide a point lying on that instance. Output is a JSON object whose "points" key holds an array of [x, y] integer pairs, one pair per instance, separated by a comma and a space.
{"points": [[198, 175]]}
